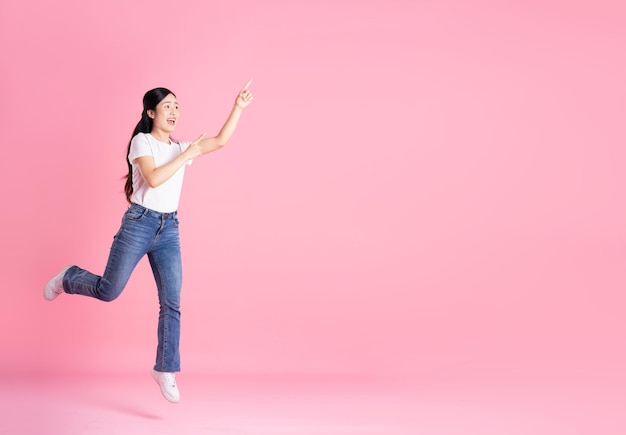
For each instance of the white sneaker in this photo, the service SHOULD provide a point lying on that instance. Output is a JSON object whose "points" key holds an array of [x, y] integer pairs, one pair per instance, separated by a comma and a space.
{"points": [[167, 382], [55, 286]]}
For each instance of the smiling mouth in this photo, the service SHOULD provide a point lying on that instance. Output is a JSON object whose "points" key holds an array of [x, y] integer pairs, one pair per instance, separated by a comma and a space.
{"points": [[171, 121]]}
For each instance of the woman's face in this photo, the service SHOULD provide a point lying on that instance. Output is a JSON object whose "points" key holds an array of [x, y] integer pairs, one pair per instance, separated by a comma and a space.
{"points": [[165, 116]]}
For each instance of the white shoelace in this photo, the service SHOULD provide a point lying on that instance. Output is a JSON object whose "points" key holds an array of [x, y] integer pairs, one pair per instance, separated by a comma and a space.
{"points": [[170, 378]]}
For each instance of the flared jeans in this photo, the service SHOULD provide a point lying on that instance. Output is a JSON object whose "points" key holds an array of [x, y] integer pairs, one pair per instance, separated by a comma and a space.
{"points": [[143, 231]]}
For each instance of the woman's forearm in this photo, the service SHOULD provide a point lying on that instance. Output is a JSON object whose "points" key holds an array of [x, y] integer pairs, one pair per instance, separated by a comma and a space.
{"points": [[213, 143], [229, 126], [157, 176]]}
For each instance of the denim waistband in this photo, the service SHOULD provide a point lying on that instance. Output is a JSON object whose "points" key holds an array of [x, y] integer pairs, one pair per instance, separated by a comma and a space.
{"points": [[154, 213]]}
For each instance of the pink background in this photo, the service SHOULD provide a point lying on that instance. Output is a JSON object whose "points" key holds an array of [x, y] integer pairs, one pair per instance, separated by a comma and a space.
{"points": [[419, 189]]}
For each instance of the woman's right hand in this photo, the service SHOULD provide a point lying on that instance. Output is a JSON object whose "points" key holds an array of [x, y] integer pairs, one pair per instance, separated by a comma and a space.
{"points": [[194, 150]]}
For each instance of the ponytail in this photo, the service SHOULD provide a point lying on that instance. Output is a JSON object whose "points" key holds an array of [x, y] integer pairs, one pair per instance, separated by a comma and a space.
{"points": [[143, 126]]}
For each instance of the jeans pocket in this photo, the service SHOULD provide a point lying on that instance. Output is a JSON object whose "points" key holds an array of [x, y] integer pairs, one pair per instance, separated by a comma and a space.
{"points": [[134, 214]]}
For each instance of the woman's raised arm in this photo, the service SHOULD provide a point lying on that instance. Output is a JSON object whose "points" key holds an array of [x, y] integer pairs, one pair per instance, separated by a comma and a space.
{"points": [[244, 98]]}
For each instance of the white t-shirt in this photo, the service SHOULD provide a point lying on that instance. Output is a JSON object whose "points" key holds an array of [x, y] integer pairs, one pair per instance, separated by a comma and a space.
{"points": [[163, 198]]}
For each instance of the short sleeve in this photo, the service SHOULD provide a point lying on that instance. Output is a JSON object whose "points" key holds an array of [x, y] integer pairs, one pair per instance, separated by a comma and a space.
{"points": [[139, 147], [183, 148]]}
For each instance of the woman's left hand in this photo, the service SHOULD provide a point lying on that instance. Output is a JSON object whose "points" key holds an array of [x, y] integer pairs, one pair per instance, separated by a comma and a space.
{"points": [[245, 96]]}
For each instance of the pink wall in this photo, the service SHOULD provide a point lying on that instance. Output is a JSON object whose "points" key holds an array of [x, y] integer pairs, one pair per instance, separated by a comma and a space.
{"points": [[418, 185]]}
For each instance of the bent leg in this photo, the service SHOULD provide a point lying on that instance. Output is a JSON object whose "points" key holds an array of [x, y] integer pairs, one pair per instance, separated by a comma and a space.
{"points": [[130, 243]]}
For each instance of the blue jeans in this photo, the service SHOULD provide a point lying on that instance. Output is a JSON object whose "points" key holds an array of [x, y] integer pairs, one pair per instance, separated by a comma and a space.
{"points": [[143, 231]]}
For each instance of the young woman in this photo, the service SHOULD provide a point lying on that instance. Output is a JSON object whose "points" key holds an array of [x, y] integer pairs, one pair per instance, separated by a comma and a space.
{"points": [[156, 166]]}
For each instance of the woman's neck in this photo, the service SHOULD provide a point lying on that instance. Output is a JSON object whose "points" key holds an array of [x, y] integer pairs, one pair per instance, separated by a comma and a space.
{"points": [[161, 136]]}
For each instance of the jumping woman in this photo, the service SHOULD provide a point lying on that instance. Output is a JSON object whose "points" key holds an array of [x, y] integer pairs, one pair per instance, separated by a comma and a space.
{"points": [[156, 166]]}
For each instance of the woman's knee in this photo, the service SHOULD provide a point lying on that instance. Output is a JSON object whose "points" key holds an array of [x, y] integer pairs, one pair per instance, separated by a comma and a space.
{"points": [[108, 297], [109, 293]]}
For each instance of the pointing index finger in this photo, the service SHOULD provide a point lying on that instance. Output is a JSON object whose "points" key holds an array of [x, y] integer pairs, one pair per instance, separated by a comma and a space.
{"points": [[245, 88]]}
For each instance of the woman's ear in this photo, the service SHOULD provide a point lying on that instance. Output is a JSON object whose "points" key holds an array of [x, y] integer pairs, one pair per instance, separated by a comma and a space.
{"points": [[151, 113]]}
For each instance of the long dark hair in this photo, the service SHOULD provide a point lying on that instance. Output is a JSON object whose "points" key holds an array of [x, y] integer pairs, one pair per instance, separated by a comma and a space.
{"points": [[150, 101]]}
